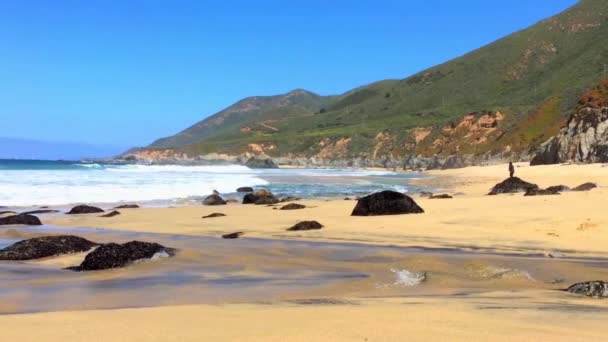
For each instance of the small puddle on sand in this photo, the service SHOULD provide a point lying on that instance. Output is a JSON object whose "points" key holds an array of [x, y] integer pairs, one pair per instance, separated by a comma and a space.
{"points": [[214, 270]]}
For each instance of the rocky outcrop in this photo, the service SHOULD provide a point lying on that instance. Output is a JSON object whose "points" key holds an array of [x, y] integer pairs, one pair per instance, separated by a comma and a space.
{"points": [[260, 197], [84, 209], [584, 139], [113, 255], [214, 199], [594, 289], [306, 225], [43, 247], [21, 219], [386, 203], [512, 185], [257, 163]]}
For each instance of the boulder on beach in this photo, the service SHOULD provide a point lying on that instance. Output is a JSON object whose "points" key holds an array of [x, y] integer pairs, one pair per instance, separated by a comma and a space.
{"points": [[442, 196], [595, 289], [585, 187], [214, 215], [47, 246], [114, 255], [259, 197], [232, 236], [245, 189], [111, 214], [512, 185], [386, 203], [127, 206], [258, 163], [293, 206], [558, 188], [306, 225], [541, 192], [40, 211], [214, 199], [22, 219], [289, 199], [425, 194], [84, 209]]}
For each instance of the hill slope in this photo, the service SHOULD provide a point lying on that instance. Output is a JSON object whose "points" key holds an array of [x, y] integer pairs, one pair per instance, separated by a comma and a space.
{"points": [[498, 102]]}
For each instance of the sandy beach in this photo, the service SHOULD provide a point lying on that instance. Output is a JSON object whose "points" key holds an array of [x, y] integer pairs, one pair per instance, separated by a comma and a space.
{"points": [[570, 225]]}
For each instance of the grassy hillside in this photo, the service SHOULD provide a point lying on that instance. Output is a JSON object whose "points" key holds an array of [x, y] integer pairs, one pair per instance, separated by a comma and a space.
{"points": [[533, 78]]}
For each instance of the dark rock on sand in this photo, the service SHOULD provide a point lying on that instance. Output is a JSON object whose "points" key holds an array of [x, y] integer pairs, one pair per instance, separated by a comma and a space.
{"points": [[214, 200], [558, 188], [41, 211], [84, 209], [256, 163], [245, 189], [46, 246], [595, 289], [214, 215], [22, 219], [540, 192], [306, 225], [386, 203], [442, 196], [512, 185], [111, 214], [289, 199], [127, 206], [585, 187], [293, 206], [232, 236], [259, 197], [113, 255], [425, 194]]}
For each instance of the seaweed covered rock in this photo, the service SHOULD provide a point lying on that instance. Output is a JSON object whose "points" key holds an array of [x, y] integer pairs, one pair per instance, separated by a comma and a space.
{"points": [[114, 255], [84, 209], [214, 199], [595, 289], [22, 219], [47, 246], [306, 225], [386, 203], [512, 185]]}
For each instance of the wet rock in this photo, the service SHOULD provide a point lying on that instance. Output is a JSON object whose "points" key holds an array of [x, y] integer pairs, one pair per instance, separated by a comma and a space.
{"points": [[290, 199], [595, 289], [114, 255], [293, 206], [306, 225], [214, 215], [256, 163], [442, 196], [232, 236], [214, 200], [41, 211], [512, 185], [23, 219], [260, 197], [245, 189], [111, 214], [84, 209], [585, 187], [43, 247], [386, 203], [558, 188], [540, 192], [127, 206]]}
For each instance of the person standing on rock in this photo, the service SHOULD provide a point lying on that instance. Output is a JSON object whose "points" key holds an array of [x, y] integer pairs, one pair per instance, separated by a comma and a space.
{"points": [[511, 170]]}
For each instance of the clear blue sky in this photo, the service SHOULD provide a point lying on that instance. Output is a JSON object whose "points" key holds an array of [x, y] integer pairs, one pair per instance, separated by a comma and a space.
{"points": [[126, 72]]}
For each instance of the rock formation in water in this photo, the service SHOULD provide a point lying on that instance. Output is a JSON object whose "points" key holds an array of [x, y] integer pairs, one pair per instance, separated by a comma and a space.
{"points": [[386, 203], [113, 255], [47, 246], [260, 197]]}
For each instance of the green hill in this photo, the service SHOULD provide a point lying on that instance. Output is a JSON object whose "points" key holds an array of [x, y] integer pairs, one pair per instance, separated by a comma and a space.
{"points": [[518, 88]]}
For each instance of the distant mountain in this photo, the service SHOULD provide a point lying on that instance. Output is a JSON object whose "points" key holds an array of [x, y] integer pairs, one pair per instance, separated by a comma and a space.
{"points": [[499, 102], [15, 148]]}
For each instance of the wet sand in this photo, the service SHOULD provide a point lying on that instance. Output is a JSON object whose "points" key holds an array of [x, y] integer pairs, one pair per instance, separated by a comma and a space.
{"points": [[571, 225]]}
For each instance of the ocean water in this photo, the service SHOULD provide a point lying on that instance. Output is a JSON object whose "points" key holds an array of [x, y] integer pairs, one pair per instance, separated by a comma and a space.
{"points": [[50, 183]]}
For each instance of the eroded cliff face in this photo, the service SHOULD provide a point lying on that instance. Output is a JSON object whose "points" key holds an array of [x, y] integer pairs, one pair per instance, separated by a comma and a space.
{"points": [[584, 139]]}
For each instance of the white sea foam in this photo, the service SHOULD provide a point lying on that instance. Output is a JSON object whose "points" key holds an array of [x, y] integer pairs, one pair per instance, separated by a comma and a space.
{"points": [[408, 278]]}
